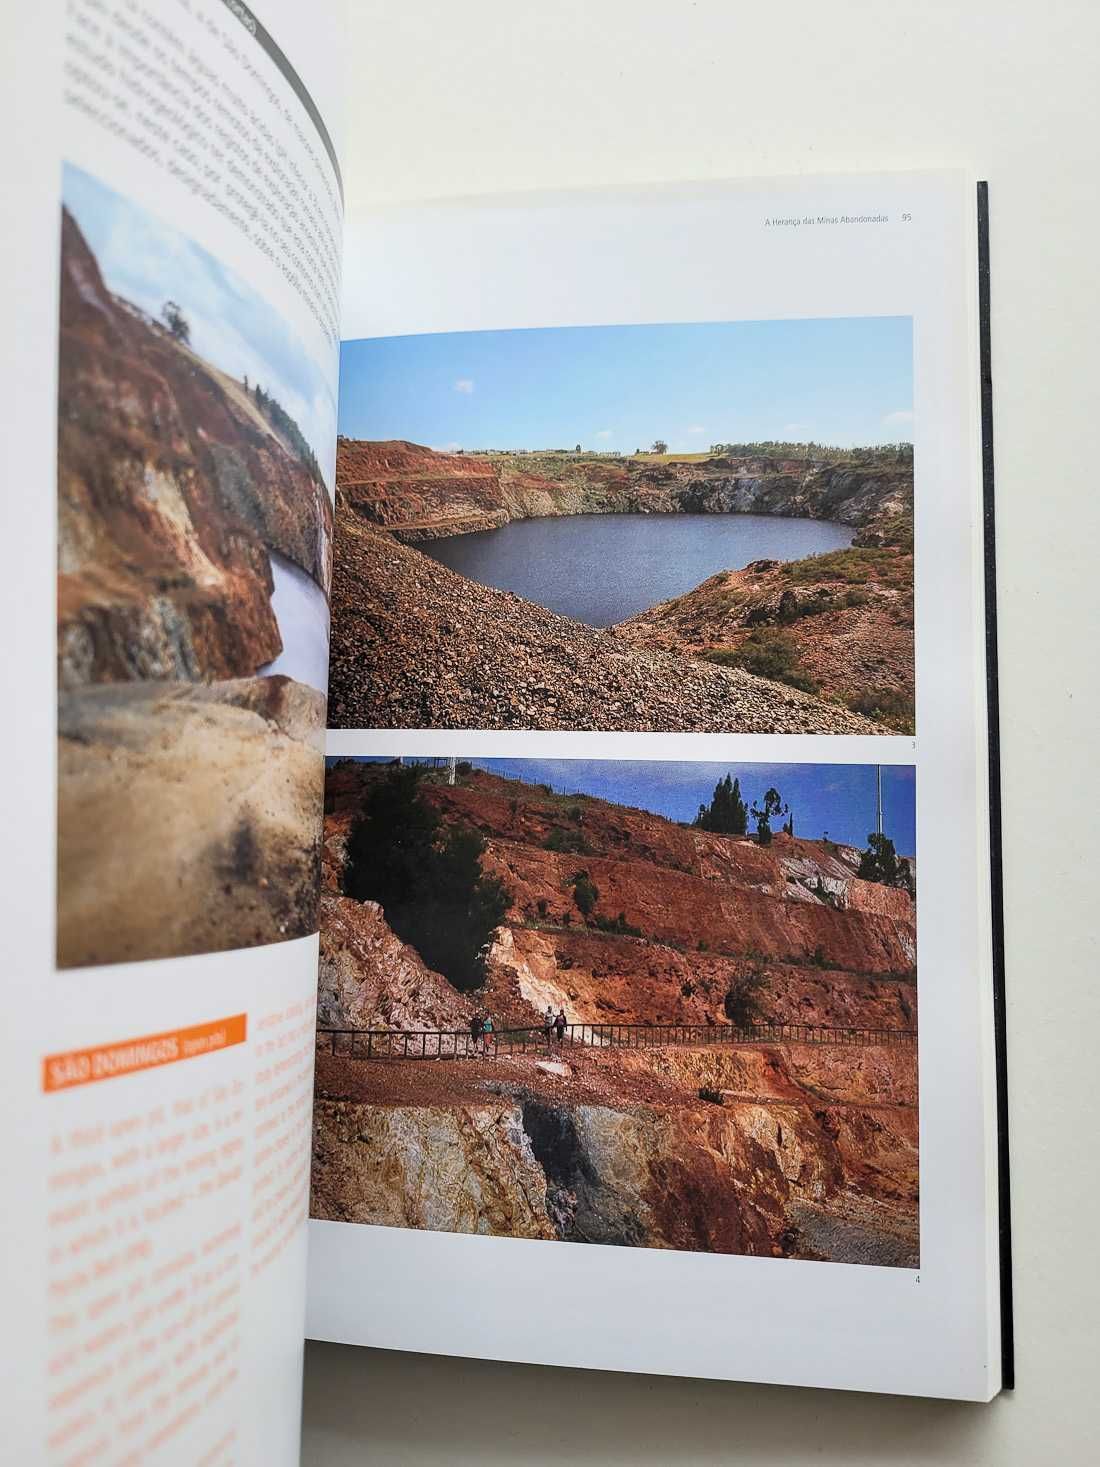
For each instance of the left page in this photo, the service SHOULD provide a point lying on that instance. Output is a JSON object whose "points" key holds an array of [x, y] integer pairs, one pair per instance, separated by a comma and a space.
{"points": [[172, 264]]}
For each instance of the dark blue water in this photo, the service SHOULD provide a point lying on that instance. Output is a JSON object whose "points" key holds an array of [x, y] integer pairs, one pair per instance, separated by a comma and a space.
{"points": [[602, 568]]}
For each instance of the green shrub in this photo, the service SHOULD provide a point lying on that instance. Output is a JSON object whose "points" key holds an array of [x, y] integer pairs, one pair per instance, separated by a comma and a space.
{"points": [[855, 566], [767, 652], [585, 893], [890, 706], [818, 958], [566, 841], [617, 924], [743, 1001]]}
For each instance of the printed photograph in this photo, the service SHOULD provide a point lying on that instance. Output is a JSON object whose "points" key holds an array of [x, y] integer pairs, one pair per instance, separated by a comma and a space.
{"points": [[194, 562], [652, 1004], [684, 528]]}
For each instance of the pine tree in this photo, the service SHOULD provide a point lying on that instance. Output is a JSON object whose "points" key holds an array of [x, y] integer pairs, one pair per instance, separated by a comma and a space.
{"points": [[879, 862], [727, 813], [429, 882]]}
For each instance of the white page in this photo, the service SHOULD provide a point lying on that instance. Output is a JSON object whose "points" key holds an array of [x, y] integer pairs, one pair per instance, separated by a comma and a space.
{"points": [[825, 251], [159, 991]]}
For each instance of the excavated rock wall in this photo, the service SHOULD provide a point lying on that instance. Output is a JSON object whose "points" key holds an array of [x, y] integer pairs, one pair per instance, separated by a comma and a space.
{"points": [[172, 487], [679, 908], [422, 493], [370, 979], [459, 1169], [794, 1150], [600, 979], [765, 1173], [834, 950]]}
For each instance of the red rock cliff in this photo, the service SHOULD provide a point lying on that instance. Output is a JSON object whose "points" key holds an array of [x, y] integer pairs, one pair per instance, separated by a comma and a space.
{"points": [[172, 488]]}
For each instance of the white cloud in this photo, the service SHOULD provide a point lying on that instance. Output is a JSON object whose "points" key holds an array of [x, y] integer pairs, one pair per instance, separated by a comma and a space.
{"points": [[697, 428], [795, 432], [446, 447], [465, 384], [902, 419], [606, 433]]}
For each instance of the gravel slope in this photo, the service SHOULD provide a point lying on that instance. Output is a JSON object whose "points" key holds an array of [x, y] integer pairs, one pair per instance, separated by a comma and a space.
{"points": [[415, 645]]}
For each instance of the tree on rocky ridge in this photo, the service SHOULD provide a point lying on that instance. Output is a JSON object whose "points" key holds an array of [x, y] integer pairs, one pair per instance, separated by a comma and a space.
{"points": [[176, 321], [771, 806], [659, 446], [727, 813], [881, 863]]}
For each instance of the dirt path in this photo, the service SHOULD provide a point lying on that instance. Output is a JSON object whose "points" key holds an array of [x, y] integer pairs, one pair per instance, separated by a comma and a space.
{"points": [[621, 1078]]}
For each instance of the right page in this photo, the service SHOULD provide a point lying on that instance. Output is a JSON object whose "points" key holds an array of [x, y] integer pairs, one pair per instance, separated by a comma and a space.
{"points": [[656, 1004]]}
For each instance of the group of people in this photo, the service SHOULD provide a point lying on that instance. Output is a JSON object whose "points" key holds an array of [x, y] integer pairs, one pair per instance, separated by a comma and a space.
{"points": [[482, 1033], [554, 1026]]}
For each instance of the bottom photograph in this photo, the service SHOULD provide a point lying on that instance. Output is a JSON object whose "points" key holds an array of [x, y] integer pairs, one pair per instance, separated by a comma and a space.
{"points": [[649, 1004]]}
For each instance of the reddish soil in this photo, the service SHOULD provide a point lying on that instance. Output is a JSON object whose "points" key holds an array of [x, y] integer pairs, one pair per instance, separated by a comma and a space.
{"points": [[172, 487]]}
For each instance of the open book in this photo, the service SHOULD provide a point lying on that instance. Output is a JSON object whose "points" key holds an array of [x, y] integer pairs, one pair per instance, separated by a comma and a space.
{"points": [[518, 725]]}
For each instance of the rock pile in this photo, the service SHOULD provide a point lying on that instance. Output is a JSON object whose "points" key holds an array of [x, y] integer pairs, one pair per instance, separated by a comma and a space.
{"points": [[415, 645]]}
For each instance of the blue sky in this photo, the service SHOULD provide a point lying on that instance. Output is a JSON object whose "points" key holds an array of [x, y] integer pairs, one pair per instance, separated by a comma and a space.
{"points": [[837, 798], [147, 262], [843, 381]]}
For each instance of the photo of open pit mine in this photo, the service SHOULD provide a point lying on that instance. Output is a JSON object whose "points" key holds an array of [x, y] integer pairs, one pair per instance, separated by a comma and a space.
{"points": [[194, 560], [650, 1004], [717, 580]]}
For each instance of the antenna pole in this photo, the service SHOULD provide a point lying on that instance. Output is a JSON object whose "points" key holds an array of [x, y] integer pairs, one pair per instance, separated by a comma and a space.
{"points": [[878, 798]]}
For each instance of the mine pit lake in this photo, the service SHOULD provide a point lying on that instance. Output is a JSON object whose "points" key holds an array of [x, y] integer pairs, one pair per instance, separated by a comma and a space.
{"points": [[602, 568]]}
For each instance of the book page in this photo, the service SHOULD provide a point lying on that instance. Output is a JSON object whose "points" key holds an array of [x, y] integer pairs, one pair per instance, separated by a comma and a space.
{"points": [[653, 1026], [173, 270]]}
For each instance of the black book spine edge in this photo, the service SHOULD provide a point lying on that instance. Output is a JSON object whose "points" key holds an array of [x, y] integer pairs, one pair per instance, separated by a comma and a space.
{"points": [[1008, 1357]]}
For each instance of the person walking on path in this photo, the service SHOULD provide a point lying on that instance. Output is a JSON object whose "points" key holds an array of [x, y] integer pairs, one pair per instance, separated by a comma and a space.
{"points": [[548, 1025], [475, 1032], [486, 1033], [559, 1025]]}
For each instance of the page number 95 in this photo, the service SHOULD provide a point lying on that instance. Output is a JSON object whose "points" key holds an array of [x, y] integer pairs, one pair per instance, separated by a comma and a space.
{"points": [[906, 218]]}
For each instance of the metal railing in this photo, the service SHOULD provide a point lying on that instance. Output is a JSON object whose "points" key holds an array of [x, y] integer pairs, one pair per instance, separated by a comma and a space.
{"points": [[418, 1044]]}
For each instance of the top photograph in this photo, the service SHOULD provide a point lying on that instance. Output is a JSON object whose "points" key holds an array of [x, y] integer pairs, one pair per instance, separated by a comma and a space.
{"points": [[693, 528]]}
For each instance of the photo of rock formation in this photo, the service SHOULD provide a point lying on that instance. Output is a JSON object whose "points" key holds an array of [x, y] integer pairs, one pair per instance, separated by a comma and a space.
{"points": [[751, 586], [703, 1005], [194, 560]]}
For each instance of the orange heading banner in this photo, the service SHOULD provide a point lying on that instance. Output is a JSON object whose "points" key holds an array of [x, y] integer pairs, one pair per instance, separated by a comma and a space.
{"points": [[107, 1061]]}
